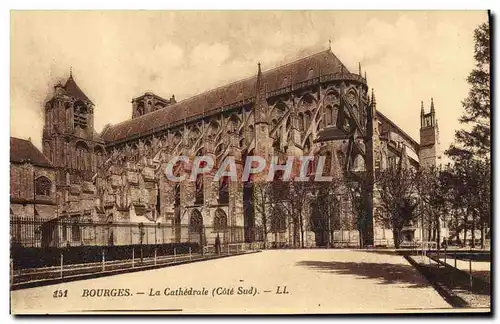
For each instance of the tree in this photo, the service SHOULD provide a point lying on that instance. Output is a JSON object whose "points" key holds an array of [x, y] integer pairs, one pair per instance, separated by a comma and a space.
{"points": [[359, 187], [397, 199], [471, 151], [263, 205], [294, 199], [476, 142], [433, 188], [484, 192], [470, 190], [325, 215]]}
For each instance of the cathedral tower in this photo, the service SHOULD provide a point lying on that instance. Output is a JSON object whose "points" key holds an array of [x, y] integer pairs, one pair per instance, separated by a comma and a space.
{"points": [[429, 154], [149, 102], [69, 139]]}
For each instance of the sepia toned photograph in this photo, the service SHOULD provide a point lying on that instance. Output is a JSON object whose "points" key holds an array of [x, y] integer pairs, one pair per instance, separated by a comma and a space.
{"points": [[250, 162]]}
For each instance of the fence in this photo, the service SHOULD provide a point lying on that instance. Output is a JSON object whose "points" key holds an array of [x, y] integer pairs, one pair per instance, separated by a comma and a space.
{"points": [[68, 232], [35, 257]]}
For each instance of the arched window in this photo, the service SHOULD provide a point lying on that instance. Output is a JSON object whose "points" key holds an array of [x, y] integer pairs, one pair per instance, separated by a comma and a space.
{"points": [[328, 115], [359, 164], [199, 190], [307, 120], [82, 156], [80, 114], [220, 221], [310, 75], [301, 122], [75, 229], [327, 167], [224, 190], [99, 156], [193, 136], [341, 158], [213, 130], [177, 138], [233, 124], [195, 221], [43, 186], [140, 108], [147, 146], [311, 168], [307, 146], [335, 112], [134, 149]]}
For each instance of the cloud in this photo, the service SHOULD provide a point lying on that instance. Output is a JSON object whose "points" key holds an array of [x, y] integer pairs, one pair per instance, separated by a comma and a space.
{"points": [[212, 54]]}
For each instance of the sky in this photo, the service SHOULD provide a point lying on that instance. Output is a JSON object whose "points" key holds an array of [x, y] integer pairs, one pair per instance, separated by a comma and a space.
{"points": [[409, 56]]}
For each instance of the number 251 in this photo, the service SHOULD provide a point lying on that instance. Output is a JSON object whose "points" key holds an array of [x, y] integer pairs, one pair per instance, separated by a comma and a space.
{"points": [[60, 293]]}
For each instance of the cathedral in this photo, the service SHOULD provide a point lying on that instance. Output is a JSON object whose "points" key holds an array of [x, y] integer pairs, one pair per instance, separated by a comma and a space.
{"points": [[115, 179]]}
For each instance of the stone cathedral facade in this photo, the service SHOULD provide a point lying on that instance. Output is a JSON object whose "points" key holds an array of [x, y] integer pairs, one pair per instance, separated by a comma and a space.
{"points": [[313, 106]]}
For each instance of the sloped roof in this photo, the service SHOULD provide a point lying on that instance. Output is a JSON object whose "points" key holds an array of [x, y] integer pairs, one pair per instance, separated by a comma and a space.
{"points": [[22, 150], [322, 63], [386, 120], [97, 137], [73, 90]]}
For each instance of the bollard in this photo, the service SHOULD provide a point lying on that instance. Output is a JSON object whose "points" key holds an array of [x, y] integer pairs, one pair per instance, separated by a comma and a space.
{"points": [[455, 257], [470, 268], [189, 253], [103, 260], [62, 262], [133, 258], [155, 256], [11, 272]]}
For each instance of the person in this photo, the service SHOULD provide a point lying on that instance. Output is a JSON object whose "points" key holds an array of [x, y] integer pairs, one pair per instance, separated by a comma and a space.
{"points": [[217, 244]]}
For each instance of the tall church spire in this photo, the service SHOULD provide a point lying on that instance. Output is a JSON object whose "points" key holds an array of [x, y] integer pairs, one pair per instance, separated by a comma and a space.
{"points": [[260, 98], [432, 105], [262, 140]]}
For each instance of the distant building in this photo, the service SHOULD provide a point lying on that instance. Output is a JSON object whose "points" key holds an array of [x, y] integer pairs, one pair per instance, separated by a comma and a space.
{"points": [[32, 190]]}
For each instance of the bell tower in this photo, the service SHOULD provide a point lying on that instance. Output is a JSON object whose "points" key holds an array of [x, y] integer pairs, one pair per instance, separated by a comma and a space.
{"points": [[69, 139], [429, 154]]}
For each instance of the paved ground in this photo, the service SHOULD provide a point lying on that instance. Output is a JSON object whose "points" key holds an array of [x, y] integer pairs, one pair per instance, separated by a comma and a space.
{"points": [[317, 281]]}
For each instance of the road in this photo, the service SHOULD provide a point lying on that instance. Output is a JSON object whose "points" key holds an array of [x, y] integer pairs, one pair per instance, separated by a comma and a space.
{"points": [[317, 281]]}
